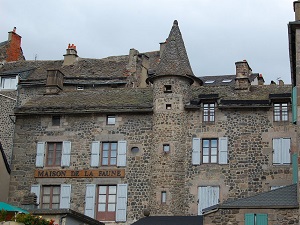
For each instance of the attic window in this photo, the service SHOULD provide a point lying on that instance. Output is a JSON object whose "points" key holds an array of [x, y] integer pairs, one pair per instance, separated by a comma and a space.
{"points": [[226, 80], [168, 89], [55, 120], [111, 120], [9, 83], [80, 87], [209, 81]]}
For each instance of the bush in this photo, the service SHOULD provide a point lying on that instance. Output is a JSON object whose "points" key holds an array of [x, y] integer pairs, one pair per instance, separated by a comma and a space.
{"points": [[27, 219]]}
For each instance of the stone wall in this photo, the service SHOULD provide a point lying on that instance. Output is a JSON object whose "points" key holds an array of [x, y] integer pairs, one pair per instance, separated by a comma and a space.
{"points": [[237, 216], [7, 105], [81, 130]]}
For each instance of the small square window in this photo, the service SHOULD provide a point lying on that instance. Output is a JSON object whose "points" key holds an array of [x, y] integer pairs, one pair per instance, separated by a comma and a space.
{"points": [[55, 120], [111, 120], [166, 148], [163, 197], [168, 89], [280, 112], [168, 106], [80, 87]]}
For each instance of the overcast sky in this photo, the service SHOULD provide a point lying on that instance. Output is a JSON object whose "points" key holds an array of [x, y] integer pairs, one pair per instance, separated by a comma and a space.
{"points": [[217, 33]]}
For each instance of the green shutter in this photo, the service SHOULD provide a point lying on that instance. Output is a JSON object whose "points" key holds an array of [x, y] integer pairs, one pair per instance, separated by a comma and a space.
{"points": [[295, 167], [294, 104], [261, 219], [249, 219]]}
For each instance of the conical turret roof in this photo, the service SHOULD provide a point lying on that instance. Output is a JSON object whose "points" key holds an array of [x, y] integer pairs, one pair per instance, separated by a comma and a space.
{"points": [[174, 60]]}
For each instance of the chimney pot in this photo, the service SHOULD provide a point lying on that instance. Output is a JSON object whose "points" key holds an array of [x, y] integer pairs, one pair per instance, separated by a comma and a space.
{"points": [[297, 10]]}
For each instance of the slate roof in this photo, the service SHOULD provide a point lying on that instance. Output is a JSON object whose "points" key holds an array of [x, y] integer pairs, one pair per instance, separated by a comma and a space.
{"points": [[227, 95], [88, 101], [83, 218], [284, 197], [174, 60], [170, 220], [218, 80]]}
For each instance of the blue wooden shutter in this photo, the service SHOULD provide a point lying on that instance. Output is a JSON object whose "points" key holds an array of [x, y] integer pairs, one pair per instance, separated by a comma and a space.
{"points": [[95, 153], [65, 196], [249, 219], [277, 151], [294, 104], [261, 219], [40, 151], [36, 189], [223, 150], [90, 196], [196, 151], [286, 150], [295, 168], [121, 207], [66, 153], [122, 148]]}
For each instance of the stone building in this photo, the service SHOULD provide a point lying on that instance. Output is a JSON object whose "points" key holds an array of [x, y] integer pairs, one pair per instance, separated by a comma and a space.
{"points": [[112, 138]]}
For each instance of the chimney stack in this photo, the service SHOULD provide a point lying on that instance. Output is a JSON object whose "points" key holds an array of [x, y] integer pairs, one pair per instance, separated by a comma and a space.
{"points": [[14, 51], [243, 71], [297, 10], [162, 48], [71, 55], [261, 80]]}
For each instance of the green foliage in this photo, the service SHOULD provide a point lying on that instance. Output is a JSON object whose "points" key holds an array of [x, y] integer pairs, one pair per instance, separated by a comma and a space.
{"points": [[27, 219]]}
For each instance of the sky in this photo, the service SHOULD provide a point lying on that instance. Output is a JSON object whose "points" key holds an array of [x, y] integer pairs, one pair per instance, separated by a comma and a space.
{"points": [[216, 33]]}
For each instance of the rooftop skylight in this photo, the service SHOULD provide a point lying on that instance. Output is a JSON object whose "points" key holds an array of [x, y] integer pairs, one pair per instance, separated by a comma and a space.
{"points": [[209, 81]]}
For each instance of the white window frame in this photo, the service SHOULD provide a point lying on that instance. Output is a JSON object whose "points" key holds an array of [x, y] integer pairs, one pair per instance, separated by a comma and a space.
{"points": [[12, 86]]}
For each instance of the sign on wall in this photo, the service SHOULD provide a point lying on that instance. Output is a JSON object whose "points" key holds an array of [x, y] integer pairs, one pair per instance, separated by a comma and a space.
{"points": [[113, 173]]}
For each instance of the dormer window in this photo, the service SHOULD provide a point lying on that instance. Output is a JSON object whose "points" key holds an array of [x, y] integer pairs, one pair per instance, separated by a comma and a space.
{"points": [[226, 80], [8, 83], [168, 89]]}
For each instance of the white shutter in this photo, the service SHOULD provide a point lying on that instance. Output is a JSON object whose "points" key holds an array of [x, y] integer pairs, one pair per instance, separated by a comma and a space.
{"points": [[40, 151], [223, 150], [276, 151], [207, 196], [121, 206], [90, 196], [202, 199], [36, 189], [65, 196], [95, 153], [196, 151], [121, 158], [66, 153], [285, 154]]}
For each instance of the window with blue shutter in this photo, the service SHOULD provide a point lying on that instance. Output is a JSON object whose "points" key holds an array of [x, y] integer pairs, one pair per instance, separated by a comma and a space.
{"points": [[121, 207], [90, 196], [196, 151], [95, 153], [256, 219], [65, 196], [295, 168], [66, 153], [294, 104], [40, 151]]}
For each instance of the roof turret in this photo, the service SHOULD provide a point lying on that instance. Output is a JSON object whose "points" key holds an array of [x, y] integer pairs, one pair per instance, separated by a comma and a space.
{"points": [[174, 60]]}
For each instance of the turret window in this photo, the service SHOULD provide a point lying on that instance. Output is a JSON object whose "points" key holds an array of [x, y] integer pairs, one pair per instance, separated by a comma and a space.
{"points": [[168, 89], [168, 106]]}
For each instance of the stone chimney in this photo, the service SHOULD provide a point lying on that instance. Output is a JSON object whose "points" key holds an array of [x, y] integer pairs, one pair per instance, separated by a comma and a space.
{"points": [[280, 83], [260, 79], [71, 56], [243, 71], [14, 50], [55, 80], [162, 48], [297, 10]]}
